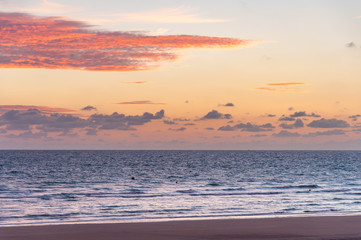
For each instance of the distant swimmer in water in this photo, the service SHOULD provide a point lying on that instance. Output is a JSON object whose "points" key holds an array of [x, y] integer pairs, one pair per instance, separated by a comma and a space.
{"points": [[133, 178]]}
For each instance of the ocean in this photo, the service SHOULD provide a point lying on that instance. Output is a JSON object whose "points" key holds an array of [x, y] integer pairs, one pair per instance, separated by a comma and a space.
{"points": [[56, 187]]}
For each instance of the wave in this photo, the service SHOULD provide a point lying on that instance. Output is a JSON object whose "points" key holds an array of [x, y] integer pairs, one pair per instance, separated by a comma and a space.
{"points": [[311, 186], [186, 191], [321, 211], [235, 193], [51, 216]]}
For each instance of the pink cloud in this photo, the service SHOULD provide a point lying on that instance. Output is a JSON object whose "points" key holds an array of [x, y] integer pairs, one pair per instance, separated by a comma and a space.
{"points": [[29, 41]]}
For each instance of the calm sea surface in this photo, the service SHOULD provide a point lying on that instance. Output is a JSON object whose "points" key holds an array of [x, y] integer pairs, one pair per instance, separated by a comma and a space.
{"points": [[42, 187]]}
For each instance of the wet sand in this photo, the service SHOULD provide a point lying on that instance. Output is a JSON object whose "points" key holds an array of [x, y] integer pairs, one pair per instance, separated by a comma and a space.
{"points": [[323, 227]]}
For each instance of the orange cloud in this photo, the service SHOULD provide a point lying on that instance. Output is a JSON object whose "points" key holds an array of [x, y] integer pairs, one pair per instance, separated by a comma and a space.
{"points": [[285, 84], [140, 102], [28, 41]]}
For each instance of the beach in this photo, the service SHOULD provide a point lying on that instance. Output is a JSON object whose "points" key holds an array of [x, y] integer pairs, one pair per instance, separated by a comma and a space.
{"points": [[314, 227]]}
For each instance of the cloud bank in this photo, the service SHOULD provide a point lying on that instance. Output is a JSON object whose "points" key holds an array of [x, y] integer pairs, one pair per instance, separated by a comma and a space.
{"points": [[29, 41], [34, 119], [328, 123]]}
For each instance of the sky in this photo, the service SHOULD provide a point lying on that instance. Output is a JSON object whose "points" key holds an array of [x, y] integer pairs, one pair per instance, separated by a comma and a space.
{"points": [[181, 74]]}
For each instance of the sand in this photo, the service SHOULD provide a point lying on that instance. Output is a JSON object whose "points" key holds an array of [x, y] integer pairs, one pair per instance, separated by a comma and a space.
{"points": [[324, 227]]}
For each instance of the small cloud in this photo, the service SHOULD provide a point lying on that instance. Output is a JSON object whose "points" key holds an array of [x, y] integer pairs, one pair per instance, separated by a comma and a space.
{"points": [[140, 103], [91, 131], [350, 45], [68, 134], [356, 128], [177, 129], [259, 135], [328, 123], [226, 105], [326, 133], [285, 133], [140, 82], [290, 109], [304, 114], [189, 124], [134, 135], [297, 124], [169, 122], [271, 115], [288, 119], [209, 128], [227, 128], [89, 108], [354, 117], [186, 101], [214, 114], [181, 119]]}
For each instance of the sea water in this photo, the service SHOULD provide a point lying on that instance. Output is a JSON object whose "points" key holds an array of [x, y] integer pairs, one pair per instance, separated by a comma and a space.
{"points": [[53, 187]]}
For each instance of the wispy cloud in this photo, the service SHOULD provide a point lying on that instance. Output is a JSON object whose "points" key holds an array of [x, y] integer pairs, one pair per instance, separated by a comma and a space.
{"points": [[29, 41], [350, 45], [44, 109], [169, 15], [140, 103], [285, 84], [141, 82], [11, 3], [281, 87]]}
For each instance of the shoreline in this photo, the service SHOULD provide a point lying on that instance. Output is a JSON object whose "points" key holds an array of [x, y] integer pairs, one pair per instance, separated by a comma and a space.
{"points": [[300, 227], [182, 219]]}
